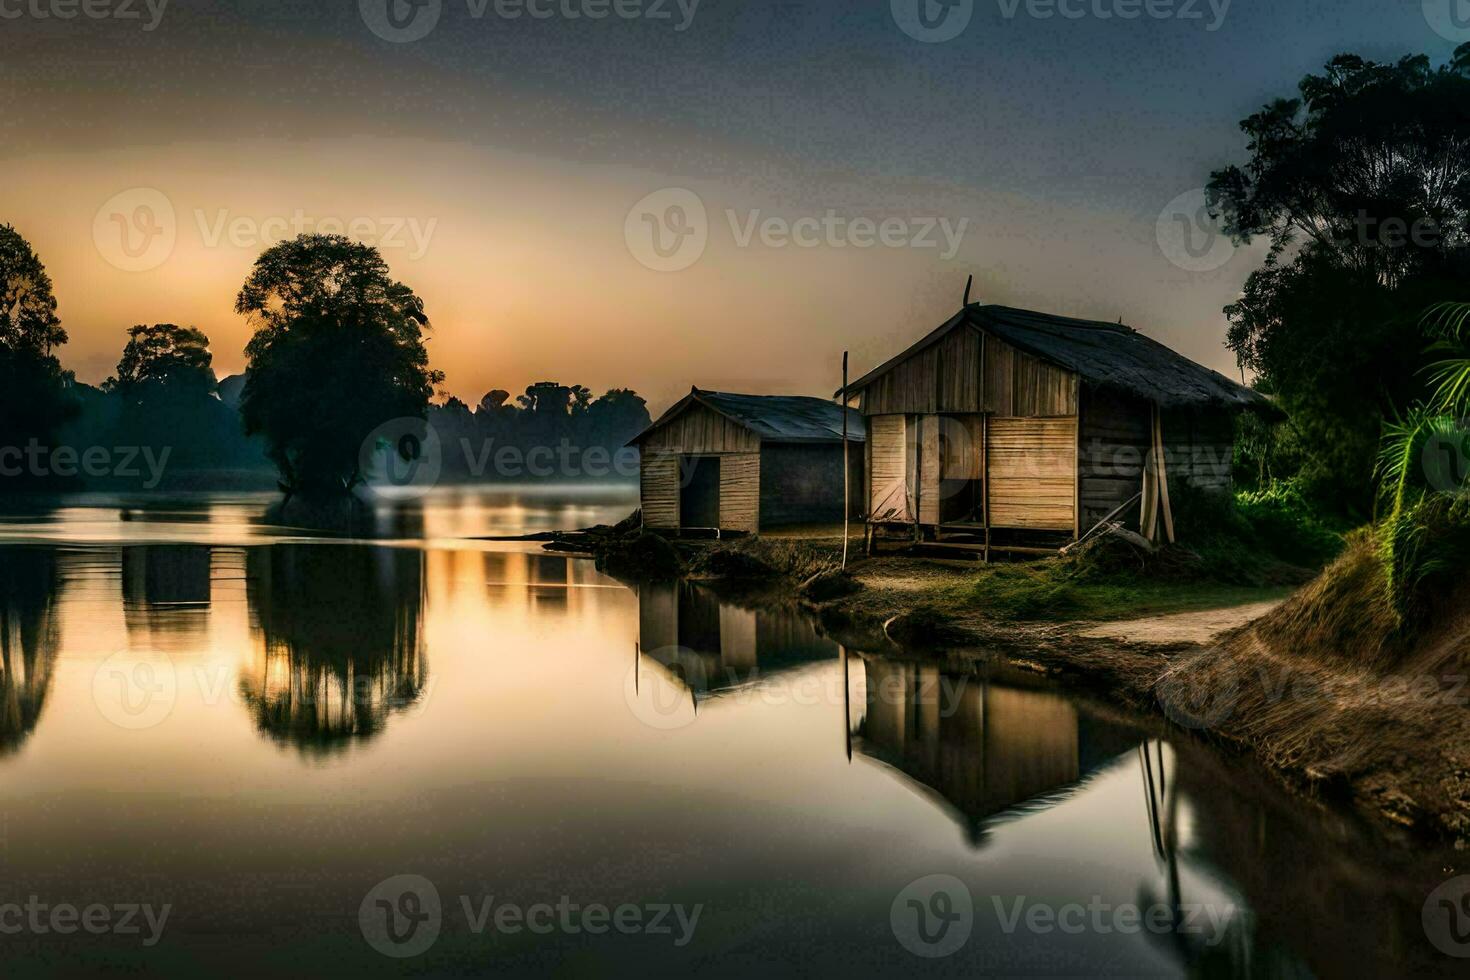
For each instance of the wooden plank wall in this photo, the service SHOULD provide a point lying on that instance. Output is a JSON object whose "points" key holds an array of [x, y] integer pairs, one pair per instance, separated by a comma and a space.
{"points": [[1033, 473], [702, 430], [660, 489], [1199, 448], [944, 378], [949, 378], [1018, 385], [887, 437], [929, 470], [1116, 438], [740, 492]]}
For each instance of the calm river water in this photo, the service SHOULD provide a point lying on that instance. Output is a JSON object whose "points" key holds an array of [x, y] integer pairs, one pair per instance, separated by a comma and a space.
{"points": [[231, 748]]}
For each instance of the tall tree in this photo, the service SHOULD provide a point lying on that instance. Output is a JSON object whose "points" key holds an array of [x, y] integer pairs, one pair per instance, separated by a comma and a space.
{"points": [[1362, 186], [33, 386], [338, 350], [163, 358]]}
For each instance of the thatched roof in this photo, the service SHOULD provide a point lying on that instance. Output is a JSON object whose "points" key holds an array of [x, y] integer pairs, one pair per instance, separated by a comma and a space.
{"points": [[775, 418], [1109, 355]]}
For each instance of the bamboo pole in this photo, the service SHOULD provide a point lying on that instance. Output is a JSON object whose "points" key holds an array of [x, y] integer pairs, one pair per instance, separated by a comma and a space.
{"points": [[846, 469]]}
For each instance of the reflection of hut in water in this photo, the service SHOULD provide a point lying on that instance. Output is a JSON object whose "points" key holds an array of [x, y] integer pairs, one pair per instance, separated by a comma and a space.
{"points": [[548, 578], [166, 591], [343, 645], [710, 647], [28, 640], [978, 748]]}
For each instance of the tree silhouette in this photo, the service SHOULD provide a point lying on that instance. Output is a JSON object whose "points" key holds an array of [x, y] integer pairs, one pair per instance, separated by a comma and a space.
{"points": [[33, 387], [338, 350], [163, 358], [1362, 187]]}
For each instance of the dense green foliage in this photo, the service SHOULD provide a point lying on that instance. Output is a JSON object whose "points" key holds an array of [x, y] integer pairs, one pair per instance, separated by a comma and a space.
{"points": [[1424, 550], [338, 350], [1362, 187]]}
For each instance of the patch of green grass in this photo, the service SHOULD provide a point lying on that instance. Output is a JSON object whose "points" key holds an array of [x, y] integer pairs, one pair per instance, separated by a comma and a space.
{"points": [[1425, 549], [1256, 547], [1064, 589]]}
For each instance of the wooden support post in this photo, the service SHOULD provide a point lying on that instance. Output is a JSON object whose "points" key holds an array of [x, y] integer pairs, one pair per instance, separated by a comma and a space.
{"points": [[846, 469], [1077, 463], [985, 480], [1163, 473]]}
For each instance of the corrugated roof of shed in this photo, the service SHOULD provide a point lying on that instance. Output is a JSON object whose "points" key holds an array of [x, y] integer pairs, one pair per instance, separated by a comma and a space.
{"points": [[775, 418]]}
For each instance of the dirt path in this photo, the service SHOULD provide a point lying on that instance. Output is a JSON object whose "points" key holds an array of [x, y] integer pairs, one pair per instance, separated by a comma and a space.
{"points": [[1190, 627]]}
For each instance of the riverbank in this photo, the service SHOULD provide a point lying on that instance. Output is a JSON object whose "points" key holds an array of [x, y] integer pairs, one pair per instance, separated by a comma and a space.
{"points": [[1238, 666]]}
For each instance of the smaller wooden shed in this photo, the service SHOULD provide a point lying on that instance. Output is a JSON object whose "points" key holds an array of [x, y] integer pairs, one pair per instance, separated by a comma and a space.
{"points": [[742, 463]]}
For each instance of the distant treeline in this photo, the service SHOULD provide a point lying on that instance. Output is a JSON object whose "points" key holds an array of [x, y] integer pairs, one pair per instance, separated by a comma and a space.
{"points": [[551, 432]]}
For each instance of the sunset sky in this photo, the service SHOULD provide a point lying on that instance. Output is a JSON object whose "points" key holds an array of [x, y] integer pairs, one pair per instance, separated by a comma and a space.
{"points": [[499, 161]]}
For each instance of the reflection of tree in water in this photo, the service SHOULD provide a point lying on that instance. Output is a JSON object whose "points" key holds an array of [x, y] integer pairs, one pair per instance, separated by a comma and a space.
{"points": [[28, 641], [343, 645]]}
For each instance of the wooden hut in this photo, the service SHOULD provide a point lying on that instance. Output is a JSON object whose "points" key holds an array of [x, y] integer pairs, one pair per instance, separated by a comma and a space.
{"points": [[740, 463], [1010, 430]]}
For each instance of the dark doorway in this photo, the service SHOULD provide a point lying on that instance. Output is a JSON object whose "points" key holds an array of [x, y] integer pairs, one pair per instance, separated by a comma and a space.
{"points": [[699, 497]]}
